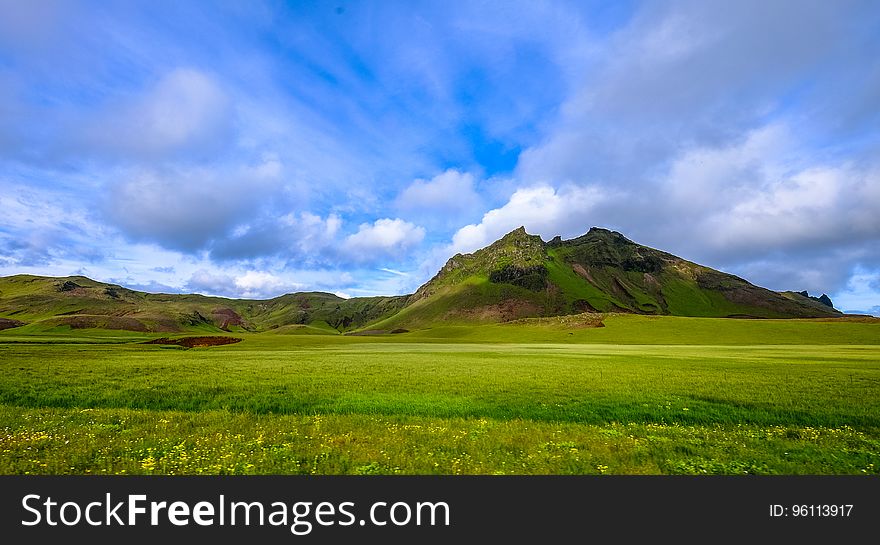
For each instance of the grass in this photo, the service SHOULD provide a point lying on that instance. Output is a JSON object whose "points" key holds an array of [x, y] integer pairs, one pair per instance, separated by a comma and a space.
{"points": [[117, 441], [574, 287], [641, 395]]}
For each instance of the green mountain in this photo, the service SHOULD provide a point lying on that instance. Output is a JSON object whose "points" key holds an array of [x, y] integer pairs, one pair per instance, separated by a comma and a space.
{"points": [[518, 276], [521, 276], [37, 303]]}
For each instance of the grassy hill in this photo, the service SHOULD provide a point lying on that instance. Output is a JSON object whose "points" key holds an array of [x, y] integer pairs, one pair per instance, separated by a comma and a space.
{"points": [[44, 304], [519, 276]]}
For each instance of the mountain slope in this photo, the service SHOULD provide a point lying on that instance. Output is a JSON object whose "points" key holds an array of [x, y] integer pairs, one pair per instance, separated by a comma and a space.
{"points": [[521, 276]]}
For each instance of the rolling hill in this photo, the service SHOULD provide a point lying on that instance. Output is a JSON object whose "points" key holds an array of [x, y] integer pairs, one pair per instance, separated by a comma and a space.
{"points": [[518, 276], [35, 303]]}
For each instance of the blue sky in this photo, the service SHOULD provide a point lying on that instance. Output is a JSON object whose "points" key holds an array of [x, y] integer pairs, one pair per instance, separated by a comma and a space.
{"points": [[249, 149]]}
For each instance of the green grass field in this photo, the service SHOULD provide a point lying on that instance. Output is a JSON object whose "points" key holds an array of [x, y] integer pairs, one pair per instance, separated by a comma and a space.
{"points": [[640, 395]]}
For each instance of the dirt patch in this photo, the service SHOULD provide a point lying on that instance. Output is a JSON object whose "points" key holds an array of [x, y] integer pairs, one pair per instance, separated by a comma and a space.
{"points": [[196, 342], [582, 272], [582, 305], [651, 282], [226, 317], [622, 291], [72, 288], [6, 323], [505, 311]]}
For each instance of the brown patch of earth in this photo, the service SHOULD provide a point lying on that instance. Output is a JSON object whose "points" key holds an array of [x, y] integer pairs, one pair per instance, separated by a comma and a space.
{"points": [[72, 288], [6, 323], [505, 311], [196, 342], [651, 282], [225, 317], [578, 268], [622, 291], [582, 305]]}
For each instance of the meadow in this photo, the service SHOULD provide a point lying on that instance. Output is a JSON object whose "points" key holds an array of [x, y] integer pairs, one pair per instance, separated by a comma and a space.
{"points": [[641, 395]]}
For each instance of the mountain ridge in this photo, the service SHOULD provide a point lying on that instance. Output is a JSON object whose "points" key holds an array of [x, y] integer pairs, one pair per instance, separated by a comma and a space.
{"points": [[518, 276], [521, 276]]}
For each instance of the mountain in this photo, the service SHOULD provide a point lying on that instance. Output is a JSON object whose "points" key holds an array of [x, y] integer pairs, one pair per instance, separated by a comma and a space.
{"points": [[522, 276], [518, 276], [78, 302]]}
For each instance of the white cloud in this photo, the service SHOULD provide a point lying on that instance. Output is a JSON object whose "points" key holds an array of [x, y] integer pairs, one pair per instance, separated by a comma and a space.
{"points": [[541, 209], [260, 284], [762, 195], [185, 111], [704, 178], [41, 226], [687, 73], [383, 237], [801, 208], [861, 292], [445, 198], [209, 283], [247, 285], [304, 236], [188, 207], [313, 232], [393, 271], [185, 105]]}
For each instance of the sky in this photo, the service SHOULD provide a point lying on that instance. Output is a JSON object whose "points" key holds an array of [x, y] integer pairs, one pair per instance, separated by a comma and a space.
{"points": [[249, 149]]}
